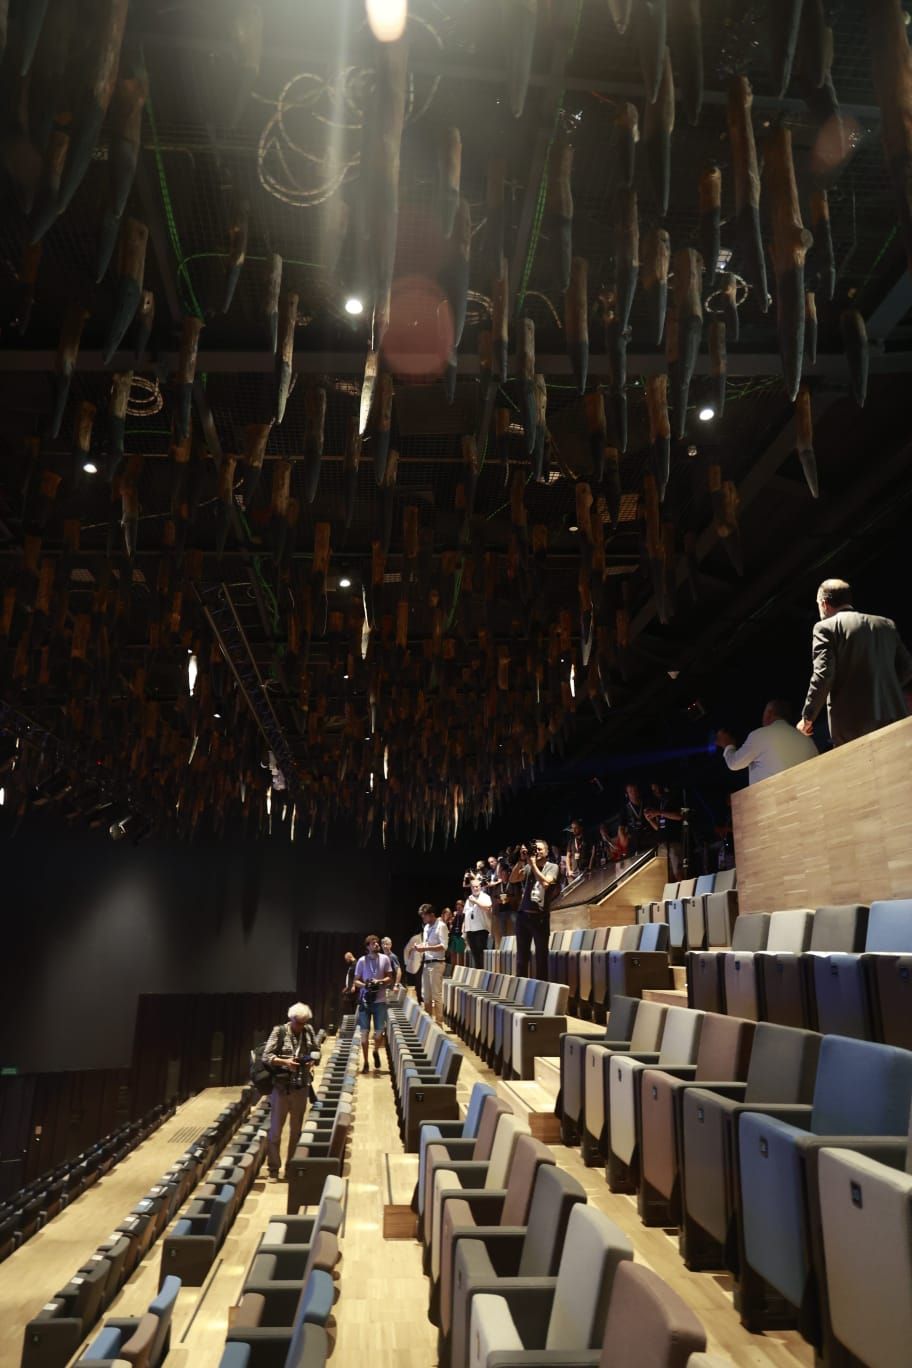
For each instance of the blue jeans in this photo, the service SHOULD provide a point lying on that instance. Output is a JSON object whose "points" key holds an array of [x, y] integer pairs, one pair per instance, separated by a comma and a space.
{"points": [[377, 1012]]}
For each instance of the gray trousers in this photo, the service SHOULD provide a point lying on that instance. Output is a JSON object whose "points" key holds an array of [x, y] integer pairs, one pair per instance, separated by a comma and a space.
{"points": [[432, 987], [282, 1104]]}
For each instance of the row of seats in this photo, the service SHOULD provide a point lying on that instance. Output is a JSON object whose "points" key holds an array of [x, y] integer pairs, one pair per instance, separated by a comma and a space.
{"points": [[424, 1067], [600, 961], [521, 1269], [507, 1020], [54, 1334], [40, 1201], [843, 970], [142, 1341], [282, 1317], [699, 912], [719, 1124], [190, 1247], [321, 1148]]}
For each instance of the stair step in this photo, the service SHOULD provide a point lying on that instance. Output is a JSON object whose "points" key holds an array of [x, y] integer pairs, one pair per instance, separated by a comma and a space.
{"points": [[679, 973], [670, 997], [535, 1105], [547, 1074]]}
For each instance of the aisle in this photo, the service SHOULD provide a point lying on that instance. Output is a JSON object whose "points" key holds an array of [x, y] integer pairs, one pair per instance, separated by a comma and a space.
{"points": [[31, 1276]]}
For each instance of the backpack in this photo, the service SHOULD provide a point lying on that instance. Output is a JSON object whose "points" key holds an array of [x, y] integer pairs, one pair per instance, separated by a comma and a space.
{"points": [[261, 1075]]}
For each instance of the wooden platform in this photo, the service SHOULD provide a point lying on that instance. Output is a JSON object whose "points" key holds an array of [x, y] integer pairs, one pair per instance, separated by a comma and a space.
{"points": [[534, 1100], [837, 829]]}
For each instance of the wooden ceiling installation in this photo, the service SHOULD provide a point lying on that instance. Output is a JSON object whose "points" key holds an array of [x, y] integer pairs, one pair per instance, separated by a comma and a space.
{"points": [[362, 381]]}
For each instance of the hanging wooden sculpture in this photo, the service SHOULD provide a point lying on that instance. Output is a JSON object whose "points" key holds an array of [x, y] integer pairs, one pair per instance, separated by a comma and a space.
{"points": [[576, 322], [314, 427], [285, 354], [626, 254], [129, 498], [381, 425], [519, 21], [824, 260], [657, 130], [710, 223], [616, 340], [279, 506], [718, 365], [784, 21], [598, 433], [656, 258], [67, 351], [655, 550], [688, 279], [454, 278], [888, 39], [541, 427], [237, 253], [651, 34], [82, 435], [790, 243], [94, 96], [449, 175], [123, 156], [810, 327], [31, 21], [804, 439], [186, 372], [384, 141], [134, 237], [351, 461], [256, 435], [687, 45], [559, 213], [273, 290], [145, 321], [726, 504], [500, 323], [659, 429], [855, 343], [225, 499], [46, 205], [748, 243], [727, 306], [620, 12], [117, 419], [525, 367], [815, 43], [626, 135]]}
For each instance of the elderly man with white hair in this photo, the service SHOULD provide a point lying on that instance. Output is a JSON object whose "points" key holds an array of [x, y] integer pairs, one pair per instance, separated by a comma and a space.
{"points": [[289, 1052]]}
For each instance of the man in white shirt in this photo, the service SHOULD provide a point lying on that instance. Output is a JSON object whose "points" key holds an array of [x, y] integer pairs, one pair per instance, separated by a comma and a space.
{"points": [[434, 941], [770, 749], [476, 921]]}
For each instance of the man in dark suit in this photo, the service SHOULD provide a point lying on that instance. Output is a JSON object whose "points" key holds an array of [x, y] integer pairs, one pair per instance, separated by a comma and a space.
{"points": [[860, 666]]}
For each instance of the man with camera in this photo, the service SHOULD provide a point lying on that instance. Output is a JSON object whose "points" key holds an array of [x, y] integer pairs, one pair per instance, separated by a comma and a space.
{"points": [[533, 920], [373, 972], [433, 947], [290, 1052]]}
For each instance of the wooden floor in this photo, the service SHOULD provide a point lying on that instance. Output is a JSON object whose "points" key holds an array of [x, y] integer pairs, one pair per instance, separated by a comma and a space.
{"points": [[381, 1312]]}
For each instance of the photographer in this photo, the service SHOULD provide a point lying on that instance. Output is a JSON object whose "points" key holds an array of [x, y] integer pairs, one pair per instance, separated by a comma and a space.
{"points": [[290, 1053], [533, 920], [373, 972], [477, 921]]}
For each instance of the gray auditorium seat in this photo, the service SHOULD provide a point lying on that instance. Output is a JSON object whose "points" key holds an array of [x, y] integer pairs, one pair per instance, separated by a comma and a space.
{"points": [[705, 980], [868, 996], [646, 1036], [785, 979], [618, 1028], [789, 931]]}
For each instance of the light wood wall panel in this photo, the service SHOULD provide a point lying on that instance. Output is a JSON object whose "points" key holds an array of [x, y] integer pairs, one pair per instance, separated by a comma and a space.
{"points": [[837, 829]]}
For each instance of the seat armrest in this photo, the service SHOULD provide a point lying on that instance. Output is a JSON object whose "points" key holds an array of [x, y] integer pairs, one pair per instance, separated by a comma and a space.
{"points": [[493, 1251], [796, 1114], [470, 1172], [546, 1358], [486, 1204], [447, 1131], [530, 1301], [886, 1149], [456, 1148], [685, 1073]]}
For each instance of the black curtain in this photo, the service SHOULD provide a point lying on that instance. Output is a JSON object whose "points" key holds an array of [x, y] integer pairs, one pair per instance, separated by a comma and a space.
{"points": [[321, 971]]}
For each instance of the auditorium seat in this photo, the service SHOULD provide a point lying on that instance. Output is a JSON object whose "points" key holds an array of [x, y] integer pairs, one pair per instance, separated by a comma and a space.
{"points": [[861, 1089], [720, 914], [584, 991], [868, 996], [534, 1034], [475, 1209], [679, 1046], [562, 1315], [277, 1282], [434, 1132], [631, 971], [287, 1345], [319, 1153], [645, 1036], [197, 1236], [142, 1341], [789, 931], [493, 1253], [725, 880], [618, 1029], [785, 979], [782, 1070], [865, 1195], [705, 976], [442, 1152], [723, 1057]]}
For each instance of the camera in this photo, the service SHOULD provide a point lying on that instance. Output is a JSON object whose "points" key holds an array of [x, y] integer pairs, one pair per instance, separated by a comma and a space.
{"points": [[370, 990]]}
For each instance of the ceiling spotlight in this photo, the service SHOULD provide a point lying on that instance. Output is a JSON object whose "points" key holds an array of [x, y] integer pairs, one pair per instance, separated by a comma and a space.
{"points": [[387, 19], [345, 582], [706, 414], [90, 467], [354, 306], [691, 450], [573, 528], [2, 796], [345, 676], [217, 716]]}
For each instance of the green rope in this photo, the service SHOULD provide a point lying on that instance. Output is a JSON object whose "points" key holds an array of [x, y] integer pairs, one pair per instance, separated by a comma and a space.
{"points": [[183, 275]]}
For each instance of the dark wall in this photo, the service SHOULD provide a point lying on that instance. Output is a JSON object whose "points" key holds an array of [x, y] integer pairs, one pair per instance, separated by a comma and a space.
{"points": [[89, 925]]}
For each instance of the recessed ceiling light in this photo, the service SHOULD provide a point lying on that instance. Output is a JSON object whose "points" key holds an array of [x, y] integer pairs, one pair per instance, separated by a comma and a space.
{"points": [[354, 306], [90, 467], [345, 582], [345, 676], [573, 528], [707, 413], [217, 716], [387, 19]]}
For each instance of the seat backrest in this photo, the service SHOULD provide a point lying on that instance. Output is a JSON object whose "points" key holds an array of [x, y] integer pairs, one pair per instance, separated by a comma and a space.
{"points": [[751, 931], [576, 940], [653, 936], [593, 1250], [890, 926], [601, 938], [615, 937], [705, 884], [492, 1110], [725, 880], [517, 989], [536, 999], [725, 1048], [556, 999], [621, 1017], [631, 937], [509, 1129], [554, 1196], [333, 1191], [528, 1156], [588, 939], [472, 1118], [686, 888], [647, 1029], [648, 1325], [669, 891], [841, 930], [681, 1036], [791, 930], [862, 1088], [218, 1213]]}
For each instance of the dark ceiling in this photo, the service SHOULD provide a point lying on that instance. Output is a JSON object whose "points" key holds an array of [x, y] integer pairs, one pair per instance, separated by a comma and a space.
{"points": [[481, 607]]}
